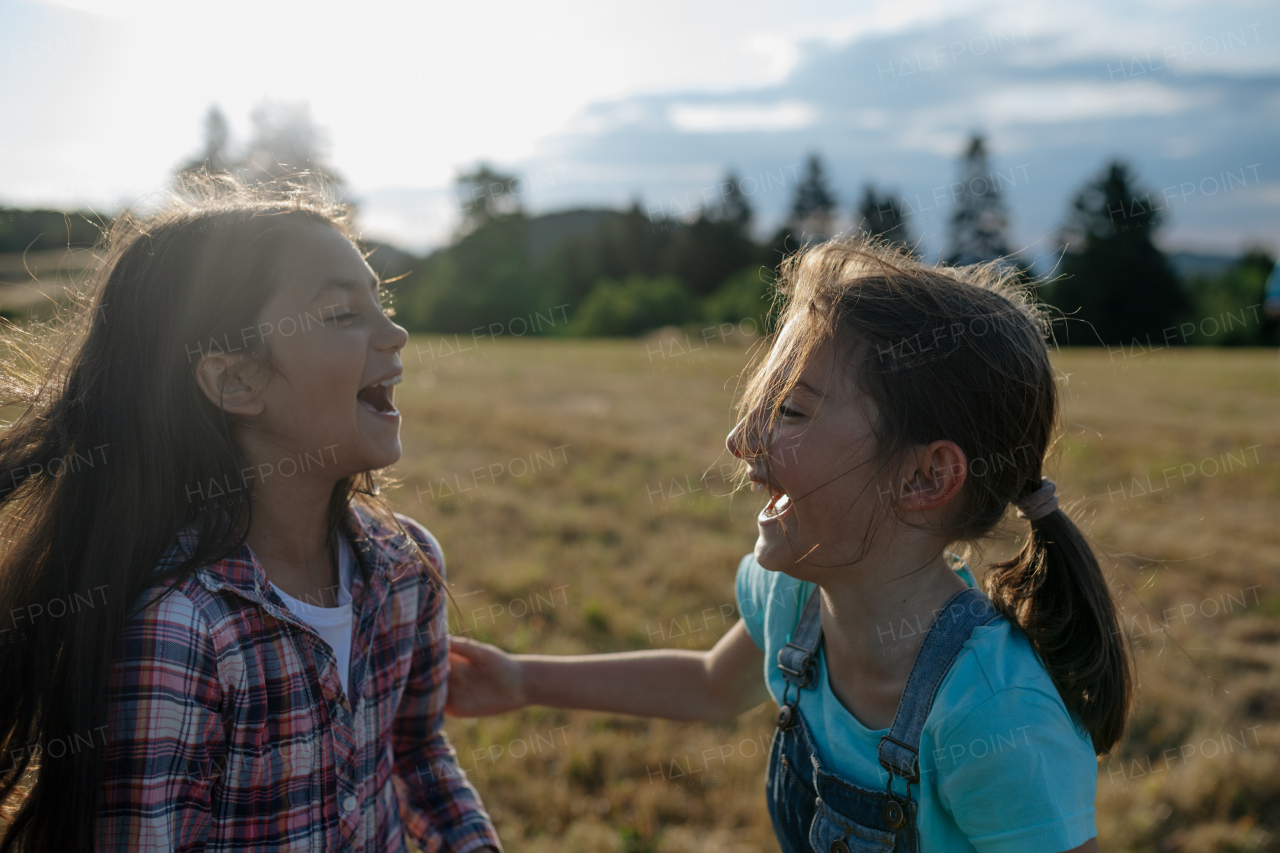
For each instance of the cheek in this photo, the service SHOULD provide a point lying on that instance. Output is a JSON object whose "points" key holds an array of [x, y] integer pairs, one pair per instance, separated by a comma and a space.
{"points": [[319, 376]]}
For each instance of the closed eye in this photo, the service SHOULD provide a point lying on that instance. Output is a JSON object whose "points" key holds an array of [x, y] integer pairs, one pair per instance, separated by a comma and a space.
{"points": [[788, 412]]}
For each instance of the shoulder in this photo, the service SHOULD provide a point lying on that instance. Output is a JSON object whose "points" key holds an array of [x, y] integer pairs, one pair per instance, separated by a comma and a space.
{"points": [[1015, 774], [429, 575], [998, 682], [384, 536], [173, 630], [1011, 765], [426, 540], [184, 606]]}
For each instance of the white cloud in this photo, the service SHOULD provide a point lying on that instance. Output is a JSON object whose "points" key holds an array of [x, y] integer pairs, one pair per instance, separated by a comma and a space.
{"points": [[1064, 102], [741, 118], [623, 96]]}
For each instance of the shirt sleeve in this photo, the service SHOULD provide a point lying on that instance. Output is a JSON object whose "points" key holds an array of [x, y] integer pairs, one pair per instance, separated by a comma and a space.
{"points": [[440, 808], [165, 745], [750, 588], [1017, 775]]}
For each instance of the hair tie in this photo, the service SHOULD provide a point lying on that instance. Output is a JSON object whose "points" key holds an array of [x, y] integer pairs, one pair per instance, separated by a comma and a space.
{"points": [[1038, 504]]}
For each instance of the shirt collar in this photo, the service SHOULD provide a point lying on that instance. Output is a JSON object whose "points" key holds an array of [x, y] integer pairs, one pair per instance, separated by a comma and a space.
{"points": [[380, 548]]}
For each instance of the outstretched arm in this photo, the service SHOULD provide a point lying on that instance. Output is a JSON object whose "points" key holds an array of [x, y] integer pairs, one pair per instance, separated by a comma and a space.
{"points": [[673, 684]]}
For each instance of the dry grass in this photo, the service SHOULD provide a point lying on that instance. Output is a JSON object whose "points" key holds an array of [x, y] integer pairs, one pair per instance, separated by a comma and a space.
{"points": [[600, 544]]}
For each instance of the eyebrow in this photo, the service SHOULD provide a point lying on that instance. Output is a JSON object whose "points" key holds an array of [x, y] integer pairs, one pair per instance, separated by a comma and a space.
{"points": [[348, 284], [800, 383]]}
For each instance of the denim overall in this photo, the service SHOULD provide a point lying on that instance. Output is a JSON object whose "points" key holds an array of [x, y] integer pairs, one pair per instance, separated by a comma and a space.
{"points": [[816, 810]]}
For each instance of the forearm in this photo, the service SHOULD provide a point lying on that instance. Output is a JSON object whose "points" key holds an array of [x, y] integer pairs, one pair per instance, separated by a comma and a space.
{"points": [[672, 684], [669, 683]]}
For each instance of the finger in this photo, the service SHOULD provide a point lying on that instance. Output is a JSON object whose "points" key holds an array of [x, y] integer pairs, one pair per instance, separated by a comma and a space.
{"points": [[466, 647]]}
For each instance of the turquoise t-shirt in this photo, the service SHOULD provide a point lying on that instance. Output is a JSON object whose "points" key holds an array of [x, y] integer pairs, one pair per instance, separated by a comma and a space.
{"points": [[1004, 767]]}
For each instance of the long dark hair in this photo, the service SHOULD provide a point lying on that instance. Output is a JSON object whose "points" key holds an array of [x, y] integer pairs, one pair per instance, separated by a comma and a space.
{"points": [[98, 470], [960, 354]]}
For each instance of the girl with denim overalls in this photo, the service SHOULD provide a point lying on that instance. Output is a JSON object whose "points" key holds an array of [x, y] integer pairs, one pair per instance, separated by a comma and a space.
{"points": [[902, 409]]}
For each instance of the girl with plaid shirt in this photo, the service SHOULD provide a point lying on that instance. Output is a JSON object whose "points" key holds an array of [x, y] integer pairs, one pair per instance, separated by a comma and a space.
{"points": [[264, 663]]}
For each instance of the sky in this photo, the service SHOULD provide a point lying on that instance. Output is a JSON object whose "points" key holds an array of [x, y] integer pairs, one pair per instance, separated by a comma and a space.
{"points": [[605, 103]]}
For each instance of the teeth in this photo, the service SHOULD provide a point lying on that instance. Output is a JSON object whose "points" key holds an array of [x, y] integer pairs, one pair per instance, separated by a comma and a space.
{"points": [[395, 380]]}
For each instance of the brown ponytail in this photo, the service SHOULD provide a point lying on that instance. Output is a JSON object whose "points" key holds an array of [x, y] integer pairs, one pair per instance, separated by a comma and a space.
{"points": [[1055, 592], [959, 354]]}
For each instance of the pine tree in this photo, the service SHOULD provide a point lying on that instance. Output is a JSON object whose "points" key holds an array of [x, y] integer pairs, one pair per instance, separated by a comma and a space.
{"points": [[216, 156], [485, 193], [285, 143], [979, 224], [814, 204], [1114, 276], [882, 216], [733, 207]]}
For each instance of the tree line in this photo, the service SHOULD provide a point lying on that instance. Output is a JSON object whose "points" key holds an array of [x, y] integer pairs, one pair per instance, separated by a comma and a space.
{"points": [[627, 272], [624, 272]]}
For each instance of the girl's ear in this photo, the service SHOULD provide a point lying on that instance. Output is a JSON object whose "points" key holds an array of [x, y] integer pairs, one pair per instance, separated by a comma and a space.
{"points": [[231, 382], [934, 477]]}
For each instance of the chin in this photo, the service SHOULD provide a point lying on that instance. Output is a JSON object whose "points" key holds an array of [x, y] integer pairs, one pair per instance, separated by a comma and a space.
{"points": [[386, 456], [768, 556], [371, 457]]}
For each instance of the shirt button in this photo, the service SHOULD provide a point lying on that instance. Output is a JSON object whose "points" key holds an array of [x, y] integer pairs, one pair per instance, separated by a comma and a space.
{"points": [[838, 846], [349, 804]]}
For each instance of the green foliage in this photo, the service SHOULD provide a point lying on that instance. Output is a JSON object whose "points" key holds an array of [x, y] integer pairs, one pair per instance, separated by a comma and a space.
{"points": [[511, 265], [482, 279], [1228, 306], [704, 254], [747, 293], [634, 306]]}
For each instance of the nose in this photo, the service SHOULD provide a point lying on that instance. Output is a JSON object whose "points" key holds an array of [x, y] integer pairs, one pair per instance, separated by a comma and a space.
{"points": [[392, 337], [745, 439]]}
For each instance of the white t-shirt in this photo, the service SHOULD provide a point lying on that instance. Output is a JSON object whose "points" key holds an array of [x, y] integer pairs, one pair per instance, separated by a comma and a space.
{"points": [[333, 624]]}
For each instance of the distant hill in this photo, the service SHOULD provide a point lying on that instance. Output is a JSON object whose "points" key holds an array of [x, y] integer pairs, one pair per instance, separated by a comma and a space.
{"points": [[389, 261], [549, 230], [37, 230]]}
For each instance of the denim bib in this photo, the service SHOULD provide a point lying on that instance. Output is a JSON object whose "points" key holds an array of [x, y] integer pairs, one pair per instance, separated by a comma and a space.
{"points": [[814, 809]]}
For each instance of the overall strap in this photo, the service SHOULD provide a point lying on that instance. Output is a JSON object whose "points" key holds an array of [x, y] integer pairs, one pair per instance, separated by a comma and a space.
{"points": [[900, 748], [795, 659]]}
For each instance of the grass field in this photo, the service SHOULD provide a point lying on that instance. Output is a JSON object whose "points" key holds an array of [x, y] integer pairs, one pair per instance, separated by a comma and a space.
{"points": [[565, 481]]}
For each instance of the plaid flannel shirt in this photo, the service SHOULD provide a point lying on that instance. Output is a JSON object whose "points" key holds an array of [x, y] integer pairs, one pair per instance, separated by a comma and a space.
{"points": [[228, 728]]}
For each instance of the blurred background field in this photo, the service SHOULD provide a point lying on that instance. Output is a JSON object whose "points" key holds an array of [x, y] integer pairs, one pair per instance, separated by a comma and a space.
{"points": [[580, 490]]}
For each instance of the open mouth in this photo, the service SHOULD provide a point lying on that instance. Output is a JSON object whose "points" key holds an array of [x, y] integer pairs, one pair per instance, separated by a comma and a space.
{"points": [[378, 397], [776, 508]]}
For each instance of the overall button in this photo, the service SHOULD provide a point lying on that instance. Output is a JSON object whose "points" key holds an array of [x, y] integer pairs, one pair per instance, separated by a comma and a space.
{"points": [[784, 717], [893, 814], [839, 846], [349, 803]]}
